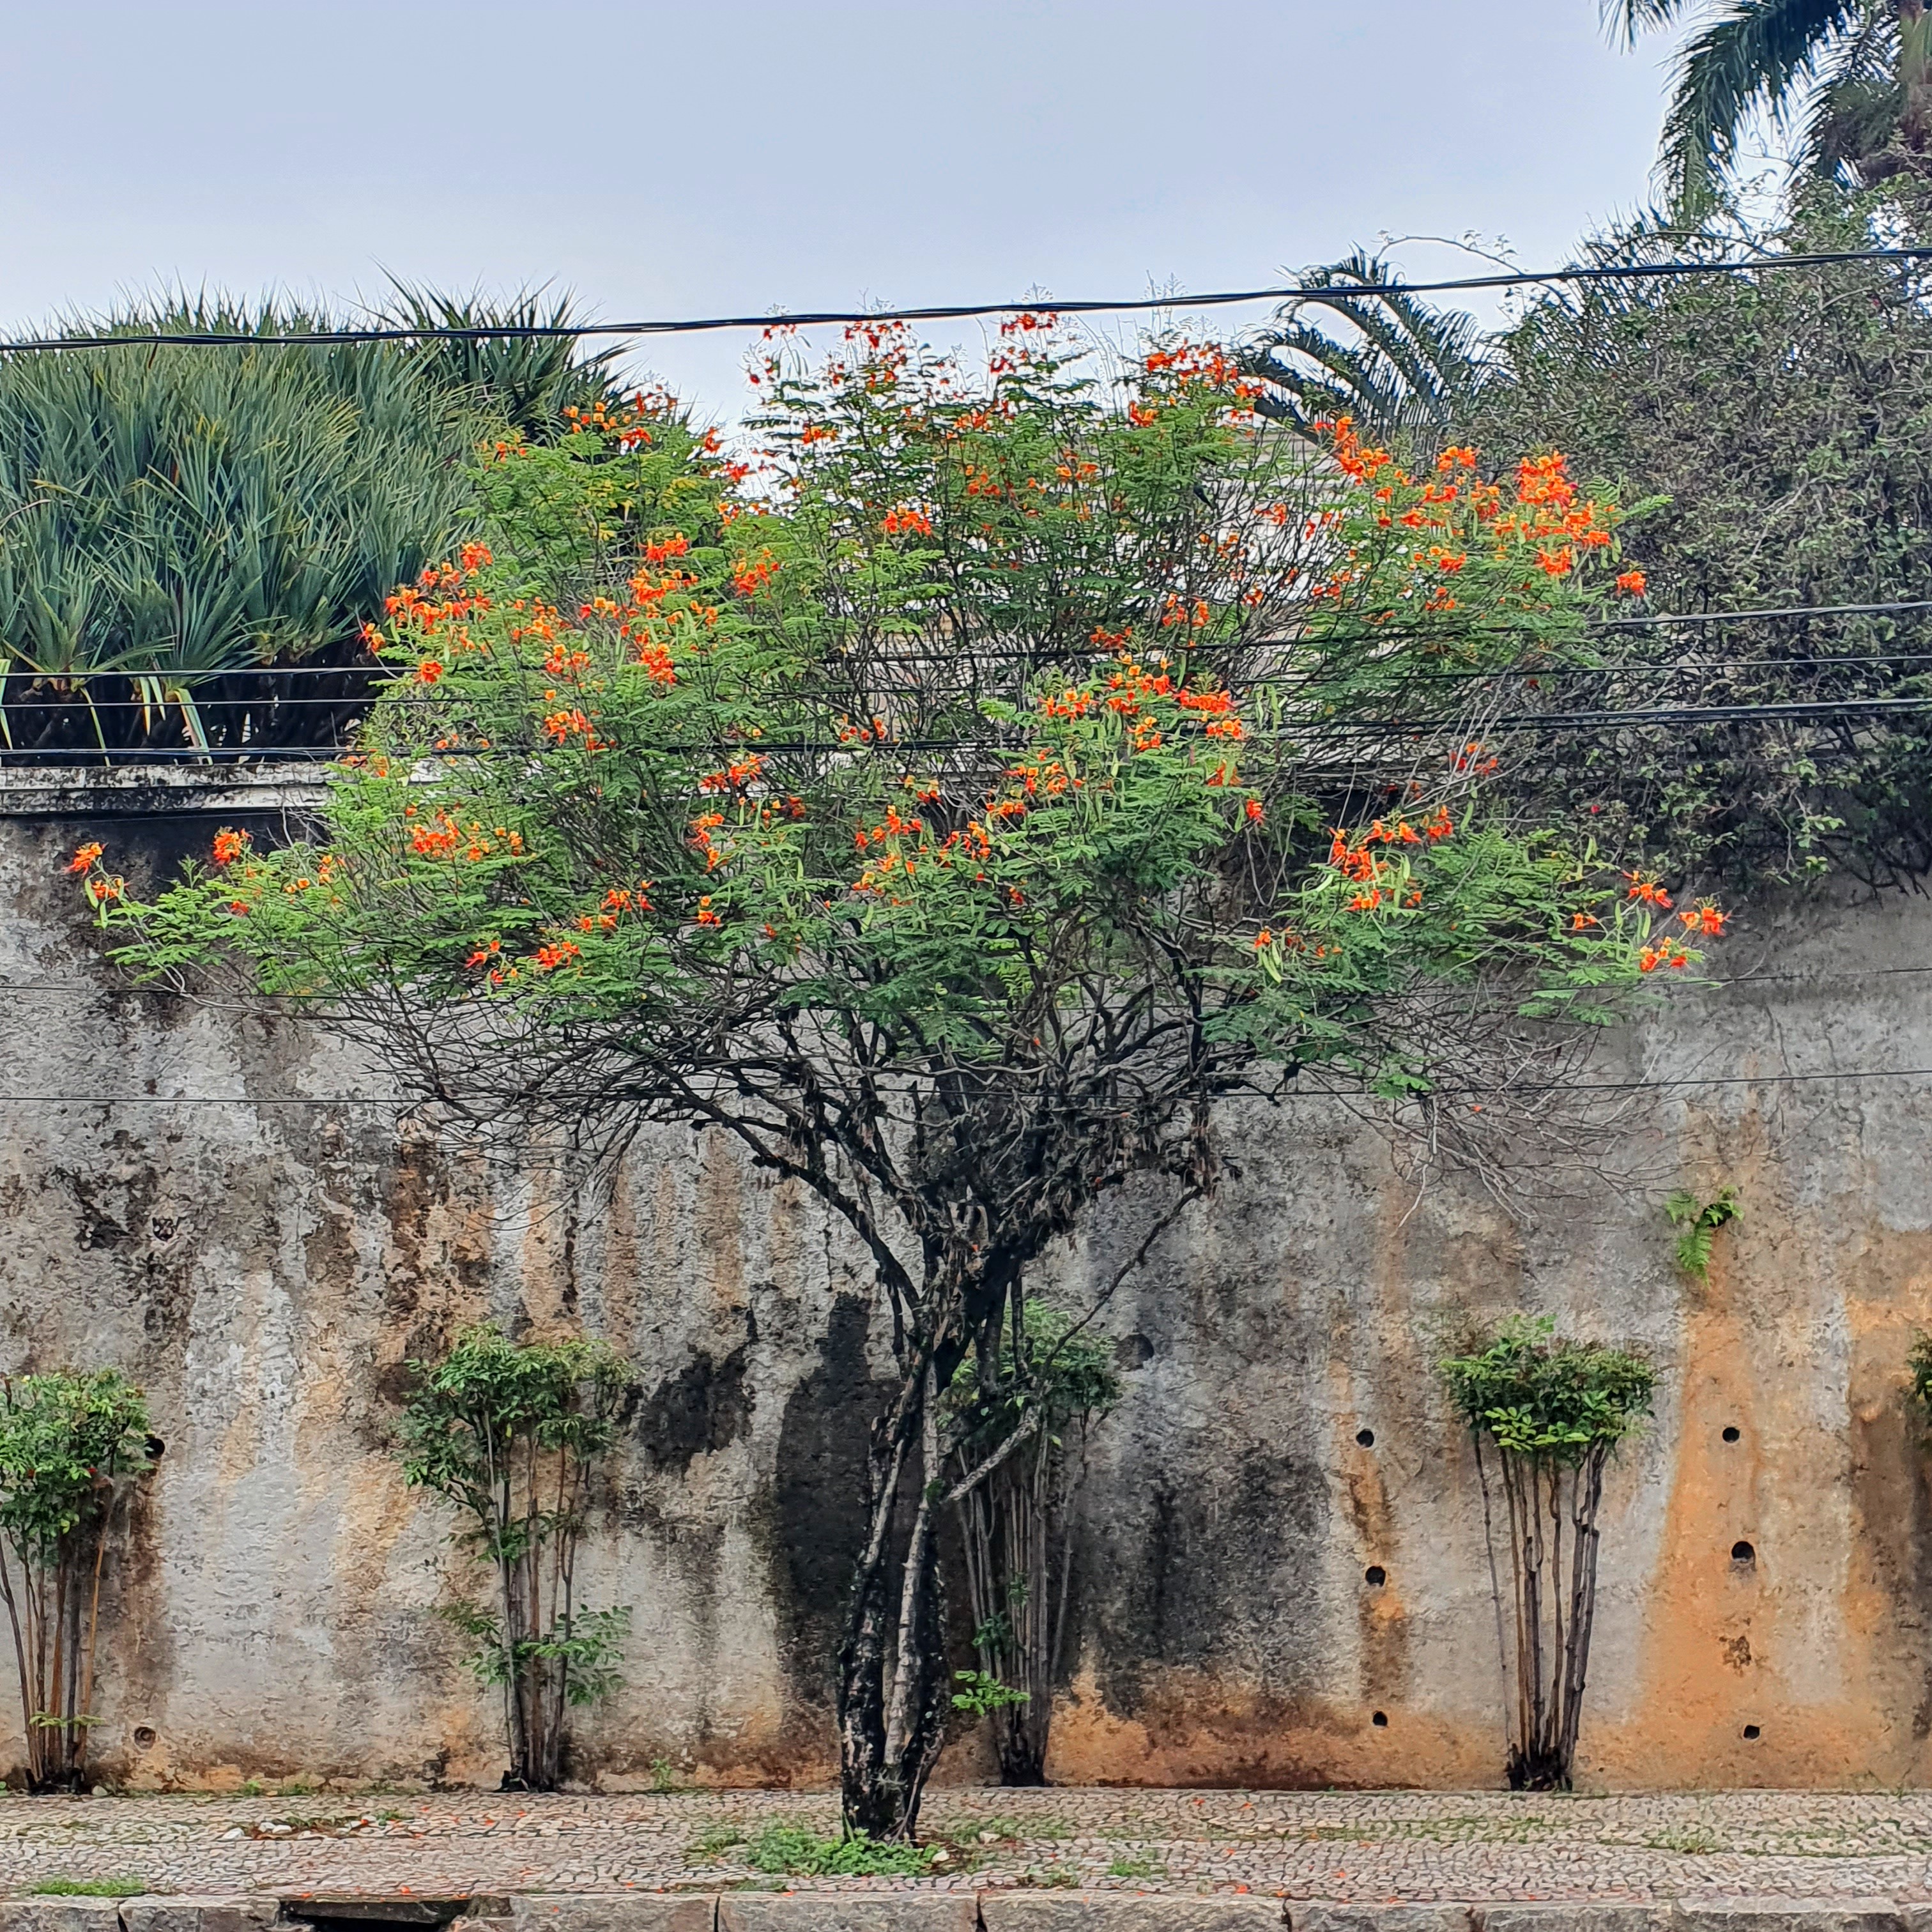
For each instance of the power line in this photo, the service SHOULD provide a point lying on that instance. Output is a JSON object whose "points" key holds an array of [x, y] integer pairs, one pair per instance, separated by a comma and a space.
{"points": [[1824, 1077], [1556, 722], [1645, 669], [955, 311], [79, 989], [1022, 653]]}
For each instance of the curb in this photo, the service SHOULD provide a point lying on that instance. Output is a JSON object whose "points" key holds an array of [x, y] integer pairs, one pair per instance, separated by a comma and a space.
{"points": [[1016, 1911]]}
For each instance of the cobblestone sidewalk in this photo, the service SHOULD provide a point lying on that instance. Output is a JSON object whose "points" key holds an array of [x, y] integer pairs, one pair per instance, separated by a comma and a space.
{"points": [[1368, 1846]]}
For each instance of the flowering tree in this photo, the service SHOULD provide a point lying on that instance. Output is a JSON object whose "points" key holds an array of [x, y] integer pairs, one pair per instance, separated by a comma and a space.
{"points": [[951, 808]]}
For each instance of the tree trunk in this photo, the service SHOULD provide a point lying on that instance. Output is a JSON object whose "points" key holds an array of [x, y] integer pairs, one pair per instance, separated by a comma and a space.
{"points": [[1553, 1593], [891, 1680]]}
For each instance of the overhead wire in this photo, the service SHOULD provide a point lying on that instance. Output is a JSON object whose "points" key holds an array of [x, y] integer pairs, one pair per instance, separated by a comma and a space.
{"points": [[782, 319], [1824, 1076]]}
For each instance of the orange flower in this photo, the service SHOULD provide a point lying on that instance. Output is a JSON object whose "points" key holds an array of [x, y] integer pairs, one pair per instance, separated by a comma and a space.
{"points": [[1253, 809], [1264, 938], [85, 857], [428, 671], [1631, 583], [229, 846]]}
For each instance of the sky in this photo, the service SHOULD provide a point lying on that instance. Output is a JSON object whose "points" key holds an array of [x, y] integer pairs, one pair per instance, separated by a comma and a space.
{"points": [[699, 159]]}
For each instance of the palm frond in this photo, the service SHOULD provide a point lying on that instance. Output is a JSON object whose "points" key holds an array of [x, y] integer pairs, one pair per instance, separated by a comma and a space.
{"points": [[1754, 54], [1629, 20], [1404, 370]]}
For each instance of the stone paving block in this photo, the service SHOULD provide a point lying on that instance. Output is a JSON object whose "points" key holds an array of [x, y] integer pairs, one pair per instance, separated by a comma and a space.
{"points": [[1380, 1918], [1575, 1916], [612, 1912], [1125, 1912], [847, 1912], [1784, 1915], [244, 1912], [60, 1915]]}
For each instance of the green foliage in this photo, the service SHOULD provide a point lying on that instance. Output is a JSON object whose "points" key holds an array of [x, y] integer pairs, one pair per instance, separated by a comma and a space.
{"points": [[173, 514], [491, 1399], [1136, 1868], [1551, 1401], [1778, 427], [796, 1849], [511, 1434], [587, 1646], [1402, 371], [123, 1887], [527, 383], [1856, 68], [1919, 1361], [1066, 1373], [1699, 1220], [64, 1441], [980, 1692], [70, 1446]]}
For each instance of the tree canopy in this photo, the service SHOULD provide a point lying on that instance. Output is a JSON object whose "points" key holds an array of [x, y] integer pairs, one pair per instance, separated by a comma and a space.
{"points": [[952, 802]]}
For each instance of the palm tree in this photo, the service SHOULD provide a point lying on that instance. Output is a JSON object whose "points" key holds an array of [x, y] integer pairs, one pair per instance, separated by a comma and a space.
{"points": [[1403, 371], [1857, 70]]}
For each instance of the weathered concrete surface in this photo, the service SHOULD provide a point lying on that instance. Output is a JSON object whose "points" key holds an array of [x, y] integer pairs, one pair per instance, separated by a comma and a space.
{"points": [[1112, 1911], [149, 1912], [615, 1912], [266, 1270], [848, 1912]]}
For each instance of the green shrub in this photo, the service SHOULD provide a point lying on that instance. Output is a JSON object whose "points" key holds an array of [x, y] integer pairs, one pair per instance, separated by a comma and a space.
{"points": [[797, 1849]]}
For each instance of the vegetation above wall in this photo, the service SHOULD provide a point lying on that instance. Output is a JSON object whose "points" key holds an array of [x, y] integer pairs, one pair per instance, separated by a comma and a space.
{"points": [[176, 522]]}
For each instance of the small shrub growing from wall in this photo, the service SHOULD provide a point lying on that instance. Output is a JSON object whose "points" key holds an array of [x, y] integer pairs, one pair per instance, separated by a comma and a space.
{"points": [[1027, 1400], [1545, 1415], [513, 1435], [70, 1448]]}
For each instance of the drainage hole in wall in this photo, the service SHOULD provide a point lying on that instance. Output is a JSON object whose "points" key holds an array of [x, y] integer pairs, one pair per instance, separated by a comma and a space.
{"points": [[157, 1448], [1365, 1437], [1380, 1720], [144, 1736], [1742, 1552], [1732, 1433], [1751, 1731], [1376, 1575]]}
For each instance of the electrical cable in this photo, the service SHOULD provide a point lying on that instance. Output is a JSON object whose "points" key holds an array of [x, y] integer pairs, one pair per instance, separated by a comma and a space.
{"points": [[1019, 653], [1562, 722], [954, 311], [1826, 1077]]}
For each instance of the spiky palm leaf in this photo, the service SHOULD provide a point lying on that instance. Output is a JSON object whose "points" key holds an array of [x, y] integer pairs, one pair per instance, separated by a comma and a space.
{"points": [[529, 380], [1844, 60], [1403, 371]]}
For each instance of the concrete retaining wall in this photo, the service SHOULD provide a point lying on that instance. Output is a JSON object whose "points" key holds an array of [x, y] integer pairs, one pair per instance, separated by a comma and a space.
{"points": [[266, 1268]]}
